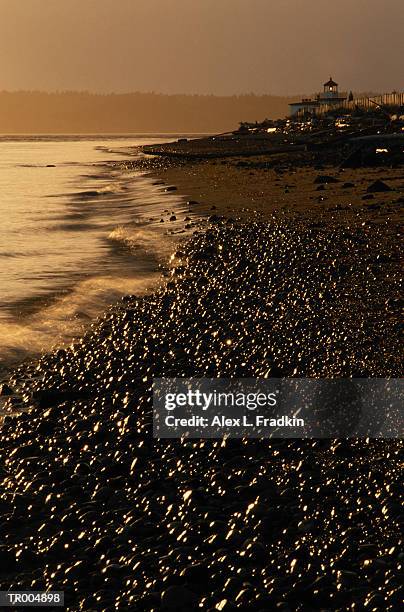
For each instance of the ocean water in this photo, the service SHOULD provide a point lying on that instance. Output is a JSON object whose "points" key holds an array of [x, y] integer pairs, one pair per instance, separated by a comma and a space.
{"points": [[77, 232]]}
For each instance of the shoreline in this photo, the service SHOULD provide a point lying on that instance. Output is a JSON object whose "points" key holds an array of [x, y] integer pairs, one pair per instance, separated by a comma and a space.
{"points": [[123, 256], [308, 184], [269, 288]]}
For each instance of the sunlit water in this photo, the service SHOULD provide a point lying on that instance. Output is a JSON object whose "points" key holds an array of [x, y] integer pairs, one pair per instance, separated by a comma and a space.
{"points": [[76, 234]]}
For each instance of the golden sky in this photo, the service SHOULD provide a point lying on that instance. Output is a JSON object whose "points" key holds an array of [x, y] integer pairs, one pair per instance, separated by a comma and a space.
{"points": [[201, 46]]}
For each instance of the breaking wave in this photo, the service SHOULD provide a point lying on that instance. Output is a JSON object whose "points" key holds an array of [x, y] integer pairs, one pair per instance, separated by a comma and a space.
{"points": [[68, 317], [146, 239]]}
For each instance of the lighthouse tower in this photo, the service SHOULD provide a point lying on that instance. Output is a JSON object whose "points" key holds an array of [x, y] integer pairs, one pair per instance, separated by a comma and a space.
{"points": [[330, 90]]}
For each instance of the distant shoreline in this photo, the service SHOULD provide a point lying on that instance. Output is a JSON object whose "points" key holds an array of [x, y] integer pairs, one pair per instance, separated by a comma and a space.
{"points": [[96, 135], [139, 113]]}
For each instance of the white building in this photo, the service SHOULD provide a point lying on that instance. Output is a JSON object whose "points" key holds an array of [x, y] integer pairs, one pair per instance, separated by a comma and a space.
{"points": [[330, 95]]}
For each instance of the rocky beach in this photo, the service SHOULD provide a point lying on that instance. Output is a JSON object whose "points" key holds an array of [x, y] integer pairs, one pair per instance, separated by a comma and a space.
{"points": [[292, 269]]}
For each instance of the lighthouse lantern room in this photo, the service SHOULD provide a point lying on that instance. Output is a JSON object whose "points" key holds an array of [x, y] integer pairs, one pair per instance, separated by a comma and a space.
{"points": [[330, 89]]}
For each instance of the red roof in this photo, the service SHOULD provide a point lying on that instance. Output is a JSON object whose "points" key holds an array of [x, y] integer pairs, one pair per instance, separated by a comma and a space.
{"points": [[331, 83]]}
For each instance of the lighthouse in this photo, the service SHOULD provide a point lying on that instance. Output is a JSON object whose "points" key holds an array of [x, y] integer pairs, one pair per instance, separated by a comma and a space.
{"points": [[330, 90], [329, 95]]}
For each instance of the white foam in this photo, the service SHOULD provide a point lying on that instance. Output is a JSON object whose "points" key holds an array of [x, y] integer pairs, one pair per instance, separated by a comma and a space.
{"points": [[147, 239], [67, 318]]}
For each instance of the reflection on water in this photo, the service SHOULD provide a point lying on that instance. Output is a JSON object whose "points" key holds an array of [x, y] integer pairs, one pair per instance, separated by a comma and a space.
{"points": [[76, 233]]}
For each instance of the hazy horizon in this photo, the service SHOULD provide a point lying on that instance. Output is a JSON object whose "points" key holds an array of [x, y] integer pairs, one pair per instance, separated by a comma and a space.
{"points": [[102, 66], [134, 92], [203, 47], [84, 113]]}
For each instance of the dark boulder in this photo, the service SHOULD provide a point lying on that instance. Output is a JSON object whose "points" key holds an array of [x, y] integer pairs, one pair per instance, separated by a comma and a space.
{"points": [[378, 187], [178, 598], [323, 179]]}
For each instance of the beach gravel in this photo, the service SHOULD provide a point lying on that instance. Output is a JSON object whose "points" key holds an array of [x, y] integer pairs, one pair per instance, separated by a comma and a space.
{"points": [[92, 505]]}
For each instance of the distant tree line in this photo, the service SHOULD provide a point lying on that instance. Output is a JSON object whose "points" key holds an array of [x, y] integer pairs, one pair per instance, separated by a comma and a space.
{"points": [[82, 112]]}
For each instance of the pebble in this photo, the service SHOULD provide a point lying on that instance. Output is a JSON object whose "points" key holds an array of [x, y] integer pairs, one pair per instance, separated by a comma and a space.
{"points": [[6, 390]]}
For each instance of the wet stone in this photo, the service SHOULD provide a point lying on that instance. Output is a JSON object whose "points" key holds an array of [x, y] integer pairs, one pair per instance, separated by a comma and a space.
{"points": [[6, 390]]}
